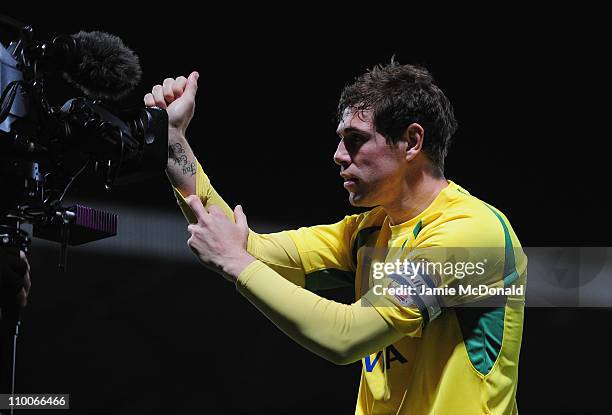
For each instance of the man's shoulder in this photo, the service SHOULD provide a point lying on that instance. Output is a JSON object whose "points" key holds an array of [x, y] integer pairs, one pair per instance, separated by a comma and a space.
{"points": [[466, 220]]}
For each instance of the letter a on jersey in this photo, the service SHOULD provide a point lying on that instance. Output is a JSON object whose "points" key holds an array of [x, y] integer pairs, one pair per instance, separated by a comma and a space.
{"points": [[389, 350]]}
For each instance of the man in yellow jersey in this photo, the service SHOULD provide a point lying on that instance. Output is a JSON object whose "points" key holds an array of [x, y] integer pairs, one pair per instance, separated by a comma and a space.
{"points": [[450, 352]]}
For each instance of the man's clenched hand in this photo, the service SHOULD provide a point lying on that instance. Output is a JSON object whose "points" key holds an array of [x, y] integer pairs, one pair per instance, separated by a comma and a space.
{"points": [[218, 242], [177, 97]]}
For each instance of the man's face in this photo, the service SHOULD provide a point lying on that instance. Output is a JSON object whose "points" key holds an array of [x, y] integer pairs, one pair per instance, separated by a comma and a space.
{"points": [[372, 169]]}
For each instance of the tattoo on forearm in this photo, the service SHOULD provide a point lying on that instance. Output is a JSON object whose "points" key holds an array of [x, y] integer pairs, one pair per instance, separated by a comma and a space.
{"points": [[174, 151], [191, 168], [177, 153], [181, 160]]}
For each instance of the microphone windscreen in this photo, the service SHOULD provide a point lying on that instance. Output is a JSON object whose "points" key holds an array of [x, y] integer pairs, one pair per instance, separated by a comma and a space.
{"points": [[106, 67]]}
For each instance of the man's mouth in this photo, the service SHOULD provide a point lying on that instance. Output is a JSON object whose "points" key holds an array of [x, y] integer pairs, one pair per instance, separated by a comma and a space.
{"points": [[349, 181], [349, 184]]}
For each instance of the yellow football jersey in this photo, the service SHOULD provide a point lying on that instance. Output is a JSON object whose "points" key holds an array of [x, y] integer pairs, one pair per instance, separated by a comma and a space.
{"points": [[459, 354], [463, 361]]}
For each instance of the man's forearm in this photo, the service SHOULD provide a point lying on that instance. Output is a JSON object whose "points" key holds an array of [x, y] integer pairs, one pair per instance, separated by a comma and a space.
{"points": [[337, 332], [181, 168]]}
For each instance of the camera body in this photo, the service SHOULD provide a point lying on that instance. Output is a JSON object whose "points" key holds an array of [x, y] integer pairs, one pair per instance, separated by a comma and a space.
{"points": [[43, 148]]}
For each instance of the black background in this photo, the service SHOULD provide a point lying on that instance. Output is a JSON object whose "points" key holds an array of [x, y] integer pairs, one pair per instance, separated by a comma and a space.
{"points": [[130, 334]]}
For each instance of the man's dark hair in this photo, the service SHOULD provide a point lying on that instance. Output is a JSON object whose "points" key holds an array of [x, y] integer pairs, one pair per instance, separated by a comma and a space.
{"points": [[399, 95]]}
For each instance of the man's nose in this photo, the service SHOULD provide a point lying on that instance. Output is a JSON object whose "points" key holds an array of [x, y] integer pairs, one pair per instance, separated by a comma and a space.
{"points": [[341, 156]]}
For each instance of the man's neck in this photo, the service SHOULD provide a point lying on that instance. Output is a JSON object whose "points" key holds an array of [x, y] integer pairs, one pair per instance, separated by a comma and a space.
{"points": [[416, 196]]}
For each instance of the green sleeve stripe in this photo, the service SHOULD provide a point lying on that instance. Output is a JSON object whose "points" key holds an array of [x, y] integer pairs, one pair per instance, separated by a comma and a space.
{"points": [[510, 278], [483, 332], [510, 274], [483, 328], [328, 278], [361, 239]]}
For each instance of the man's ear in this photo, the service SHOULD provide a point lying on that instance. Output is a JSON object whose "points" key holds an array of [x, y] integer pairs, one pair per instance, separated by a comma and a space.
{"points": [[413, 135]]}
